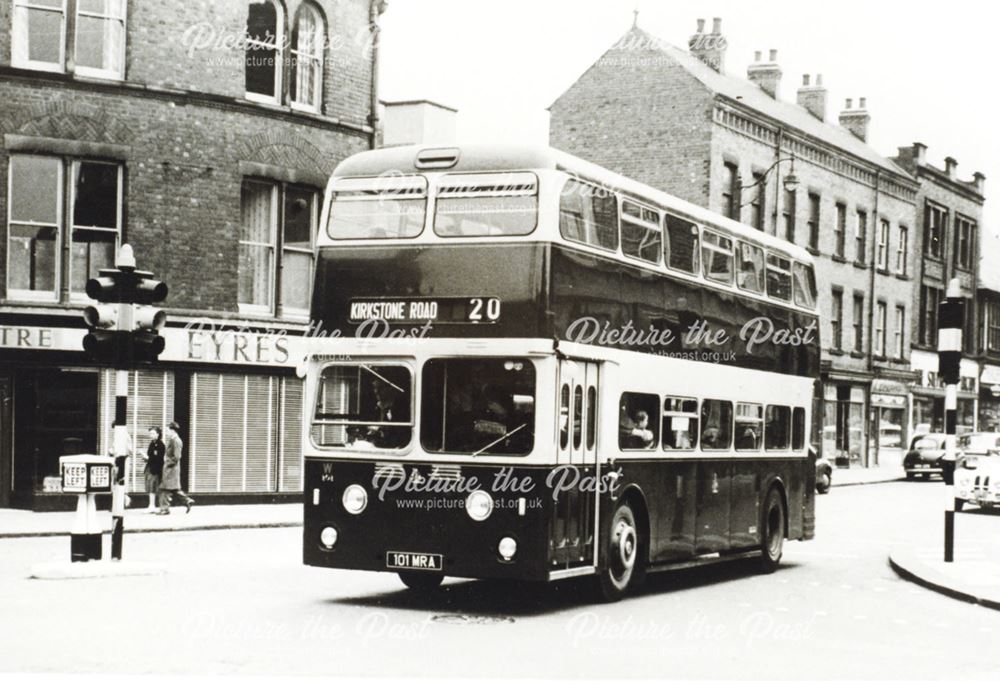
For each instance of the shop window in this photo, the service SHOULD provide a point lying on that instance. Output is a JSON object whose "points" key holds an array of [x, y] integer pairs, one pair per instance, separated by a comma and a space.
{"points": [[276, 220], [308, 40], [638, 422]]}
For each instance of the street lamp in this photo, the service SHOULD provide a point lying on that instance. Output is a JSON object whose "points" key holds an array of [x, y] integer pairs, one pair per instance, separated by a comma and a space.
{"points": [[791, 182]]}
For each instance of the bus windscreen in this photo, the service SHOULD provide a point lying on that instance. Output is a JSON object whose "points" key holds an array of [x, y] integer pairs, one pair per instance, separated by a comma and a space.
{"points": [[378, 208], [502, 204]]}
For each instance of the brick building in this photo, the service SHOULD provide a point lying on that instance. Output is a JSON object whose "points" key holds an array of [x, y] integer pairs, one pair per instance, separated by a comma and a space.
{"points": [[676, 120], [949, 213], [988, 332], [201, 133]]}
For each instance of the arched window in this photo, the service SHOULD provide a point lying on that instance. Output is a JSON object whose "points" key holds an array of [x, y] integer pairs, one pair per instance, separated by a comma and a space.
{"points": [[265, 38], [308, 40]]}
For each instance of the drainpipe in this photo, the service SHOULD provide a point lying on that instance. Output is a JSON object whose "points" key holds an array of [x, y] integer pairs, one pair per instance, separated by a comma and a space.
{"points": [[777, 181], [374, 12], [873, 231]]}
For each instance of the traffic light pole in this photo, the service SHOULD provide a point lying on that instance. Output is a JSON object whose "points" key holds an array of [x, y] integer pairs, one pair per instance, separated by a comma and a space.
{"points": [[123, 445], [951, 315]]}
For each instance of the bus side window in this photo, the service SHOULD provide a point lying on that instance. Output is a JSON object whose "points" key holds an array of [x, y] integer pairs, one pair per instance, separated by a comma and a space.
{"points": [[638, 421], [589, 214], [779, 277], [680, 423], [804, 285], [798, 428], [750, 275], [717, 257], [640, 232], [777, 426], [577, 417], [749, 427], [564, 417], [716, 424], [680, 247], [591, 417]]}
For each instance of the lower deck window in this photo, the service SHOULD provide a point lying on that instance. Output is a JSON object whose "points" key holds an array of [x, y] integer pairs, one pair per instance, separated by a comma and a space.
{"points": [[639, 416], [478, 406], [680, 423], [777, 427], [716, 424], [749, 427], [365, 406]]}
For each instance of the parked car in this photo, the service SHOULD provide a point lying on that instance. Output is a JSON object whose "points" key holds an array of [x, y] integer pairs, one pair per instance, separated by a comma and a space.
{"points": [[977, 472], [926, 457], [824, 472]]}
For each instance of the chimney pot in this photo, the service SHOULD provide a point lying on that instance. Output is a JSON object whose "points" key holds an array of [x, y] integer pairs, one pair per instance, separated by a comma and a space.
{"points": [[950, 164], [756, 56], [717, 25], [701, 26], [774, 55], [855, 120], [861, 103], [848, 104], [813, 99], [919, 153], [767, 75], [805, 80], [819, 80], [709, 48]]}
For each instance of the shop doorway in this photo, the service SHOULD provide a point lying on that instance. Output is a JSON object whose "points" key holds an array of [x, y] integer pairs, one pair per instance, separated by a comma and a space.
{"points": [[6, 439]]}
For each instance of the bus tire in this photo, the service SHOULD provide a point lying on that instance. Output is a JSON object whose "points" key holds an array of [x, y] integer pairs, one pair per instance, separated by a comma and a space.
{"points": [[624, 562], [421, 581], [772, 526]]}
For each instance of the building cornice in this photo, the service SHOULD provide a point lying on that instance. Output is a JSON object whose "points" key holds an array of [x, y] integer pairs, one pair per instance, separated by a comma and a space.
{"points": [[751, 123], [940, 177], [180, 96]]}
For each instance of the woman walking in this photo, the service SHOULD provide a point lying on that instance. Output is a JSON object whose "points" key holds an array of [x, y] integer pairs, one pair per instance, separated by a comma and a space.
{"points": [[170, 484], [154, 465]]}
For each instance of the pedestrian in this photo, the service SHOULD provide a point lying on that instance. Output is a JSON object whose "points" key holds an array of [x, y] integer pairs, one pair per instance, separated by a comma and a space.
{"points": [[170, 482], [154, 465]]}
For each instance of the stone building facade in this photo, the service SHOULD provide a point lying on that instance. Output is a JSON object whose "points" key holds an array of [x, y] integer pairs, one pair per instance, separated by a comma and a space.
{"points": [[202, 134], [674, 119]]}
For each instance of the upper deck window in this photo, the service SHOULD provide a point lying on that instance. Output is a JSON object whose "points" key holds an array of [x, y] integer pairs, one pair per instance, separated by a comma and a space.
{"points": [[680, 248], [751, 267], [498, 204], [589, 214], [640, 232], [717, 252], [378, 208], [804, 285], [779, 277]]}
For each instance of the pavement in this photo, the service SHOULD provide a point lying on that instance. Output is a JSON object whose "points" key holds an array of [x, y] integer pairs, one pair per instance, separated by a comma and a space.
{"points": [[974, 574], [843, 477], [18, 523]]}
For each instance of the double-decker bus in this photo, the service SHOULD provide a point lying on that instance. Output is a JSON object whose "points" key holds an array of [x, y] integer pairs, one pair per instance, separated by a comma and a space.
{"points": [[525, 366]]}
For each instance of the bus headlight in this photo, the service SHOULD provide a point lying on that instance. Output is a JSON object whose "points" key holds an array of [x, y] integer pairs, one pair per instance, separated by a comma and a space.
{"points": [[328, 537], [479, 505], [355, 499], [507, 548]]}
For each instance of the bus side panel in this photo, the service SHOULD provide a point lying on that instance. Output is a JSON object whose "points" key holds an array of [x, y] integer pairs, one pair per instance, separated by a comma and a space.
{"points": [[426, 521]]}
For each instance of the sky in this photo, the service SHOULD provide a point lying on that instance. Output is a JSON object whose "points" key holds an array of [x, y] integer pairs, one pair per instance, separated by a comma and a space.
{"points": [[926, 69]]}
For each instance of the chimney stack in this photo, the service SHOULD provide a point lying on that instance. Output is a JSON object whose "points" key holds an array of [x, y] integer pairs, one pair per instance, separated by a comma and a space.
{"points": [[813, 97], [710, 48], [980, 181], [950, 166], [767, 75], [856, 120]]}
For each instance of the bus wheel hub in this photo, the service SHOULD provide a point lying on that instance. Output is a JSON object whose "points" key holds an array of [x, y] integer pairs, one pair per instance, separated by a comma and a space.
{"points": [[625, 540]]}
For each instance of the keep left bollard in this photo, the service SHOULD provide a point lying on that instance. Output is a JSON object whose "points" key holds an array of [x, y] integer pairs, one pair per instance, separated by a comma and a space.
{"points": [[85, 475]]}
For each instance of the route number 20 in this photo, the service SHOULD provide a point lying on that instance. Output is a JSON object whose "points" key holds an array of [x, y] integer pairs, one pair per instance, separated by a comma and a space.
{"points": [[479, 306]]}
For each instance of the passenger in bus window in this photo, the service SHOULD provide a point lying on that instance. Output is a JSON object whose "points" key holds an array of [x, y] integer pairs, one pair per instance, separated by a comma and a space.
{"points": [[390, 405], [634, 432]]}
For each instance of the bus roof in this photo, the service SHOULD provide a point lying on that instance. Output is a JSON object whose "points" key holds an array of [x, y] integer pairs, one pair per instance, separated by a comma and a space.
{"points": [[501, 157]]}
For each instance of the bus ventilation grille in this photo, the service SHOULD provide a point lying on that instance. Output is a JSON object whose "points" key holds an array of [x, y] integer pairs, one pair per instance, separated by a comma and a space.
{"points": [[437, 158], [446, 472], [388, 472]]}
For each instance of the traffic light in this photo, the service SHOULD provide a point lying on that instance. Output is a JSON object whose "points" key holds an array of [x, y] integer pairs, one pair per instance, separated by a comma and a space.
{"points": [[125, 327]]}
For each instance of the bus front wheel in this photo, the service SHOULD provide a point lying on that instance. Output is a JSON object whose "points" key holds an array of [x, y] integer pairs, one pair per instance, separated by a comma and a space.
{"points": [[772, 531], [624, 561], [421, 581]]}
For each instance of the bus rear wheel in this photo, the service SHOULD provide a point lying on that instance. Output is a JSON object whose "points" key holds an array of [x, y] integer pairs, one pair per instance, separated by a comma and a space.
{"points": [[624, 566], [772, 531], [421, 581]]}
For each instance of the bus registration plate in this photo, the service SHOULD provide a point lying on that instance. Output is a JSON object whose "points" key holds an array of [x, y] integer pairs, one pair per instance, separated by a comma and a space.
{"points": [[413, 561]]}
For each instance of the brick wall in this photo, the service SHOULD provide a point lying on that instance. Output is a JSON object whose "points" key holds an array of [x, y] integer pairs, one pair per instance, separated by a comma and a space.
{"points": [[637, 112]]}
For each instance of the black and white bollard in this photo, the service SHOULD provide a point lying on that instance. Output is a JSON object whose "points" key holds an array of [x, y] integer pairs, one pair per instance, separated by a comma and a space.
{"points": [[951, 315], [123, 447], [85, 475]]}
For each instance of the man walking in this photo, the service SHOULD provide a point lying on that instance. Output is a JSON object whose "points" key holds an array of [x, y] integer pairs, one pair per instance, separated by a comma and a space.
{"points": [[170, 483]]}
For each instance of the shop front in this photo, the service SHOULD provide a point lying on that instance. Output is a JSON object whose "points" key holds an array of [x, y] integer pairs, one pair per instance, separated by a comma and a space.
{"points": [[844, 406], [888, 426], [927, 412], [989, 398], [233, 392]]}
